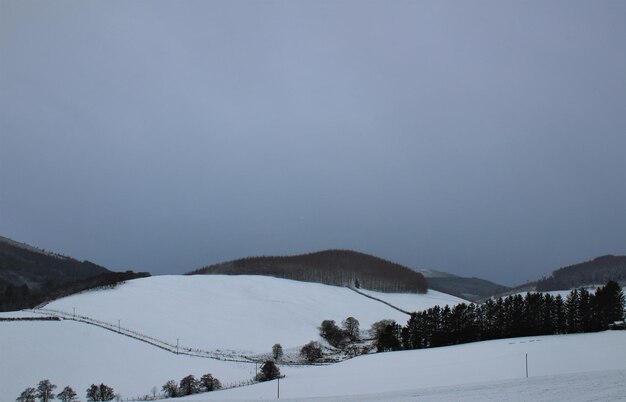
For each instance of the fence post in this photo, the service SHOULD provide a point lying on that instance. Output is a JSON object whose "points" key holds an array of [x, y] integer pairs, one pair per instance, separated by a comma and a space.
{"points": [[526, 365]]}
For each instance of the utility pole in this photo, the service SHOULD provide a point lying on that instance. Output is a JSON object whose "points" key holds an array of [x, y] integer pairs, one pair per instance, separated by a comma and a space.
{"points": [[176, 345], [278, 387], [73, 313], [526, 365], [119, 327]]}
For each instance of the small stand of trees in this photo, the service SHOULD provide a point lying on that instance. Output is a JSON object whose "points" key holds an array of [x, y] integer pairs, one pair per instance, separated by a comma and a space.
{"points": [[189, 385], [340, 337], [100, 392], [45, 393]]}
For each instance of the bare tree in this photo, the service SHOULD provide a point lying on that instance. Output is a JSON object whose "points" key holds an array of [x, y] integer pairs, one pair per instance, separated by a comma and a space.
{"points": [[312, 351], [277, 351], [28, 395], [210, 383], [67, 395], [170, 389], [189, 385], [44, 390], [351, 327]]}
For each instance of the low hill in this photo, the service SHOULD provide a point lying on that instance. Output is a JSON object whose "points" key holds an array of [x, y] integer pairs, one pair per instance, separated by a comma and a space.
{"points": [[472, 289], [248, 313], [598, 271], [29, 275], [242, 311], [330, 267]]}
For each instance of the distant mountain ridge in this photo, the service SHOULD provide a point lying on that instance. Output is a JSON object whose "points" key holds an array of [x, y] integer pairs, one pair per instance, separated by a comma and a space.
{"points": [[330, 267], [472, 289], [30, 275], [21, 264], [594, 272]]}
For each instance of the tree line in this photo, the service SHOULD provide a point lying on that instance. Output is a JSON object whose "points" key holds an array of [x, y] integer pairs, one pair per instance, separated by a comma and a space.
{"points": [[514, 316]]}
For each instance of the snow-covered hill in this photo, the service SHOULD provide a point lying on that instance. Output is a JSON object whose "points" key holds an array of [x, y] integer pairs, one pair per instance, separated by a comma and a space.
{"points": [[250, 314], [246, 314]]}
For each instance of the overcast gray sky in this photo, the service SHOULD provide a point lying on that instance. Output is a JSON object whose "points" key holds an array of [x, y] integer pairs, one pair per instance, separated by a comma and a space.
{"points": [[483, 138]]}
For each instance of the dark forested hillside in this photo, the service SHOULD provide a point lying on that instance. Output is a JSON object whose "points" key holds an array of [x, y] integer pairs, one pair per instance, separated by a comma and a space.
{"points": [[473, 289], [597, 271], [331, 267], [30, 276]]}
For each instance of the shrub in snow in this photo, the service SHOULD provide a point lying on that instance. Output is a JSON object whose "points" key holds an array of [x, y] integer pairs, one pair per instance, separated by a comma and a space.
{"points": [[312, 351], [170, 389], [209, 383], [269, 371]]}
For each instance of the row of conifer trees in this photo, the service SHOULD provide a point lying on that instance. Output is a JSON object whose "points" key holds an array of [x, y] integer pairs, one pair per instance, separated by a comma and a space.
{"points": [[513, 316]]}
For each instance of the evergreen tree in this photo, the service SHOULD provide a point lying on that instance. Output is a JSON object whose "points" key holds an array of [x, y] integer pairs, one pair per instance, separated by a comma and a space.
{"points": [[559, 315], [389, 340], [572, 308]]}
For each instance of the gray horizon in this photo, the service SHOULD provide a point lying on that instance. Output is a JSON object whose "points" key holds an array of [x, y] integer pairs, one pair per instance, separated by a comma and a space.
{"points": [[483, 139]]}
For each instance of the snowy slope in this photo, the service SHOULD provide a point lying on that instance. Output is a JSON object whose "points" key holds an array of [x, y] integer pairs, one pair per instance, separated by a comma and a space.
{"points": [[408, 374], [416, 302], [253, 313], [579, 387], [244, 313], [75, 354]]}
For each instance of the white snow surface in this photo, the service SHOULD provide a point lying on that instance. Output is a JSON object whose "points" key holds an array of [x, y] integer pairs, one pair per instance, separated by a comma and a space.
{"points": [[412, 302], [253, 313], [244, 313], [581, 367]]}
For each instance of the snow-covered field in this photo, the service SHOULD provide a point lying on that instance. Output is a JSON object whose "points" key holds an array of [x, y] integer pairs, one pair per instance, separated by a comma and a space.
{"points": [[595, 386], [244, 313], [386, 376], [252, 313], [77, 354]]}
